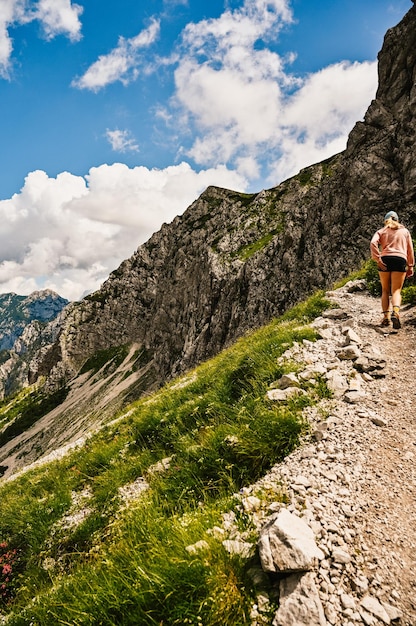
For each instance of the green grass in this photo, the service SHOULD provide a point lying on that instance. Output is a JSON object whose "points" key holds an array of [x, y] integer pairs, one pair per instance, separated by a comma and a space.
{"points": [[249, 250], [112, 357], [26, 409], [128, 565]]}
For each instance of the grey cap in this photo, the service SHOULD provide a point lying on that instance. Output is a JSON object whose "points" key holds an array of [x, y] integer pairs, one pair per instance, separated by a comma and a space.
{"points": [[393, 215]]}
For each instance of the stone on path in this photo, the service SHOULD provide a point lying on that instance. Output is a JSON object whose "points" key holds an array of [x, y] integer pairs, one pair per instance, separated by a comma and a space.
{"points": [[373, 606], [300, 604], [287, 544], [337, 383]]}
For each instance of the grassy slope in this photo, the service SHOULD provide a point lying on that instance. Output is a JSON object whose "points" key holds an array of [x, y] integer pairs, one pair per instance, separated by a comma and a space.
{"points": [[76, 554]]}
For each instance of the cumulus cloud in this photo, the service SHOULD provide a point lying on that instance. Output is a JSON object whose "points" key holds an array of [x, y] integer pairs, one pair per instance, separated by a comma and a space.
{"points": [[68, 233], [256, 19], [9, 10], [59, 17], [246, 108], [56, 17], [121, 64], [318, 116], [122, 141]]}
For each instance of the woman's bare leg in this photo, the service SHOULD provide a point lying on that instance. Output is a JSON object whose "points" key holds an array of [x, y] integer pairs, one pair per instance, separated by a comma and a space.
{"points": [[397, 280], [386, 285]]}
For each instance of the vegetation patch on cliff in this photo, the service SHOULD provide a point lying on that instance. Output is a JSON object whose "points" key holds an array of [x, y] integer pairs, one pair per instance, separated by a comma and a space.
{"points": [[111, 358]]}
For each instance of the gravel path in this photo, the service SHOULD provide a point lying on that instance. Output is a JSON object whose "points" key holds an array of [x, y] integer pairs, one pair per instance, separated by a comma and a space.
{"points": [[354, 481], [389, 477]]}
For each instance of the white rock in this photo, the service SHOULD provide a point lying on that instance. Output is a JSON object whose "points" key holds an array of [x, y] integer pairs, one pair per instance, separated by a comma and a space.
{"points": [[334, 314], [287, 544], [349, 353], [373, 606], [378, 421], [361, 584], [393, 612], [251, 503], [347, 601], [282, 395], [340, 556], [302, 480], [354, 397], [199, 546], [300, 604], [337, 383], [367, 618], [243, 548], [326, 333], [263, 602], [287, 380], [318, 369], [331, 614], [352, 336]]}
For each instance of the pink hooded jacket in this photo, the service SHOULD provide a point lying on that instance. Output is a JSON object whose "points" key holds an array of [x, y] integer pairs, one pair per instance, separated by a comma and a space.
{"points": [[392, 242]]}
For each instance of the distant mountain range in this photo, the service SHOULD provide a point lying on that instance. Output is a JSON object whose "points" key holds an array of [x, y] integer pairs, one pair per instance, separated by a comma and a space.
{"points": [[27, 325], [16, 312]]}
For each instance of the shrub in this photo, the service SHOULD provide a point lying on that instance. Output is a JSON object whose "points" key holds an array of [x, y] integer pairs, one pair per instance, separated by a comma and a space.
{"points": [[372, 278], [409, 295]]}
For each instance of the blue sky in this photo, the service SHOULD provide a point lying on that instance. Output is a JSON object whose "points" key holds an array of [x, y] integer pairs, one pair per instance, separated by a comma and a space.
{"points": [[116, 115]]}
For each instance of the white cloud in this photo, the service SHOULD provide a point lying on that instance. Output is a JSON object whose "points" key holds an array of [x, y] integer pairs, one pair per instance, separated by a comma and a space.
{"points": [[122, 141], [121, 64], [10, 11], [173, 3], [317, 118], [242, 27], [56, 17], [330, 98], [5, 51], [68, 233], [239, 103], [60, 17]]}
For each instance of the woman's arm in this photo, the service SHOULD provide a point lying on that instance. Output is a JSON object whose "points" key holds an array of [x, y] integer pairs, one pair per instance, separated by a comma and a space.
{"points": [[374, 247]]}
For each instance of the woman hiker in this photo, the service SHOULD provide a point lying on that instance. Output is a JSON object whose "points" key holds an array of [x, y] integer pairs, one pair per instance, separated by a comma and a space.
{"points": [[392, 248]]}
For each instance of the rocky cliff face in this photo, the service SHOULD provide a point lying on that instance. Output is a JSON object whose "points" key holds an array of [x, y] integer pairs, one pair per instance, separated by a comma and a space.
{"points": [[233, 261]]}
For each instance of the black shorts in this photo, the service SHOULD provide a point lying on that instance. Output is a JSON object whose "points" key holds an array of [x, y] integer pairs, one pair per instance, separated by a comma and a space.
{"points": [[394, 263]]}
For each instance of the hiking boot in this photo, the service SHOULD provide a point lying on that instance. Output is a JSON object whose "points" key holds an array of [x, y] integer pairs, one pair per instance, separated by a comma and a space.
{"points": [[385, 322], [395, 320]]}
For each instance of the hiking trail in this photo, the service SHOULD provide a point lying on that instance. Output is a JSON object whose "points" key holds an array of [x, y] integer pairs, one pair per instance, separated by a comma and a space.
{"points": [[354, 480]]}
